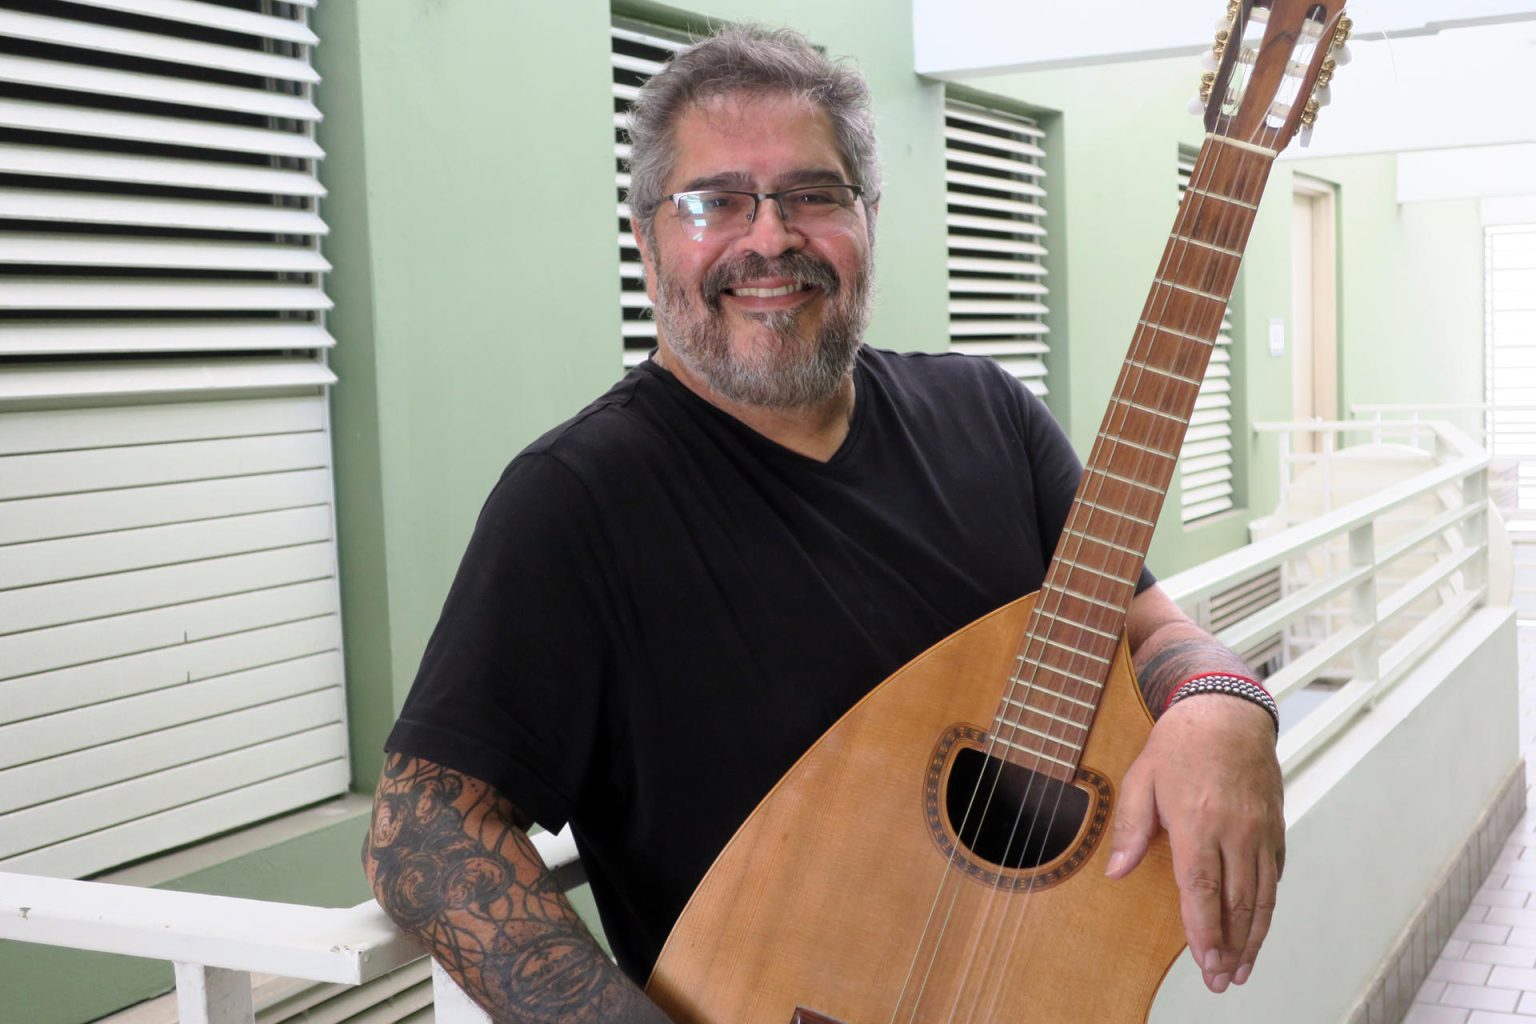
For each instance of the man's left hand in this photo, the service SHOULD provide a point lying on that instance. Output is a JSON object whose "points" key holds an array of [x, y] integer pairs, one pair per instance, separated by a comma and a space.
{"points": [[1208, 775]]}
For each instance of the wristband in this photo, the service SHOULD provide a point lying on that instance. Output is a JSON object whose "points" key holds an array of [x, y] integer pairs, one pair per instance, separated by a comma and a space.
{"points": [[1232, 685]]}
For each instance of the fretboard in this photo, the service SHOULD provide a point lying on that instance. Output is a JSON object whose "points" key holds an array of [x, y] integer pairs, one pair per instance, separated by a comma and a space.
{"points": [[1048, 706]]}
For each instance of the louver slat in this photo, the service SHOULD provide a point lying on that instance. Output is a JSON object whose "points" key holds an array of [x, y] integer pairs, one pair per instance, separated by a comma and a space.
{"points": [[637, 52], [105, 39], [157, 88], [168, 131], [996, 282], [42, 161], [170, 661]]}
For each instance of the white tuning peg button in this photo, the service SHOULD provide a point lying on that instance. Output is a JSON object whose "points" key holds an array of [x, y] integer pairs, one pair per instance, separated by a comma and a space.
{"points": [[1323, 95], [1305, 138], [1208, 61], [1223, 24], [1196, 105], [1342, 56]]}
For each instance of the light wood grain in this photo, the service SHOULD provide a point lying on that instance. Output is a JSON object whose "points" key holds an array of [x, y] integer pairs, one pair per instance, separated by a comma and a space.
{"points": [[823, 897]]}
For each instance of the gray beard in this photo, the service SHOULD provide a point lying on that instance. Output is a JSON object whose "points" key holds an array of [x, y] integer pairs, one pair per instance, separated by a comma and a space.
{"points": [[794, 371]]}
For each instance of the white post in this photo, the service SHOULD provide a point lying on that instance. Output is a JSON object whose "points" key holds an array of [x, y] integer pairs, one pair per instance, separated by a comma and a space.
{"points": [[1362, 553], [213, 995], [1474, 491], [450, 1004]]}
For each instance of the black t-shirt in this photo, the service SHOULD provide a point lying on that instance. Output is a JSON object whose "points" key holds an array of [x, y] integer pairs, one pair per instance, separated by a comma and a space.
{"points": [[661, 610]]}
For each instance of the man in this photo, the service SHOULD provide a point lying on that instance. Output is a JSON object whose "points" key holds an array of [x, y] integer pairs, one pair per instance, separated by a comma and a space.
{"points": [[669, 597]]}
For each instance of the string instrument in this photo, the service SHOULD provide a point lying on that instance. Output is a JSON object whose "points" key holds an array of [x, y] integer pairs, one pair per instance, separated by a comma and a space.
{"points": [[938, 855]]}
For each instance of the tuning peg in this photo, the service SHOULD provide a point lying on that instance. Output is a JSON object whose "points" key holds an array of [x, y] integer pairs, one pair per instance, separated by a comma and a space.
{"points": [[1223, 24], [1304, 136], [1323, 95], [1209, 61], [1342, 54], [1196, 105]]}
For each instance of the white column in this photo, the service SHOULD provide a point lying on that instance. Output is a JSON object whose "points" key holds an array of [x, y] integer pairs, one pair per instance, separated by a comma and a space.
{"points": [[213, 995]]}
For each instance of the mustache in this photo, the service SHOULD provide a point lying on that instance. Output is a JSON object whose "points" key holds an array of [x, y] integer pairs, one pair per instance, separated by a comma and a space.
{"points": [[802, 268]]}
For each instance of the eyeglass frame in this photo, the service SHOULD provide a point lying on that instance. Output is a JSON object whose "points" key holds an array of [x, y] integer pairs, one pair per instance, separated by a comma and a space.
{"points": [[676, 198]]}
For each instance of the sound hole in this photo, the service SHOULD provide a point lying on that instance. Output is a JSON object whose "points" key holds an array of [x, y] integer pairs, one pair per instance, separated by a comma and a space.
{"points": [[1018, 818]]}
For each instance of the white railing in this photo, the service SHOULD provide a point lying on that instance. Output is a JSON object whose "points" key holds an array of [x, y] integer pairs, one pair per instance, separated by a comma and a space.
{"points": [[217, 942], [1367, 604]]}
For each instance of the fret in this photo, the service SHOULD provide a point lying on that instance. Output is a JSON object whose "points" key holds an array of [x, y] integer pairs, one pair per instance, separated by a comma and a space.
{"points": [[1207, 342], [1218, 195], [1138, 520], [1141, 407], [1044, 714], [1091, 600], [1108, 544], [1097, 572], [1021, 727], [1033, 753], [1239, 144], [1142, 448], [1193, 291], [1068, 647], [1119, 478], [1161, 372], [1208, 245], [1097, 684]]}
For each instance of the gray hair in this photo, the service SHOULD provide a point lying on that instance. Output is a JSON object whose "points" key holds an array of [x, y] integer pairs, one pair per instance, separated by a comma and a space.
{"points": [[753, 60]]}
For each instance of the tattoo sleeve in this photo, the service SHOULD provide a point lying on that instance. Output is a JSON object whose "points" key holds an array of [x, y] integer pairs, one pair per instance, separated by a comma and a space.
{"points": [[450, 865], [1176, 651]]}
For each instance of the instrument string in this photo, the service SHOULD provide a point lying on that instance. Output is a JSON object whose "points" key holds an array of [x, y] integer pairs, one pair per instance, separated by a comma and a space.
{"points": [[1003, 937], [1034, 637], [1107, 444], [1178, 248]]}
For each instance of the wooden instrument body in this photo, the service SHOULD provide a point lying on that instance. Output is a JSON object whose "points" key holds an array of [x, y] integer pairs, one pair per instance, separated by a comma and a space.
{"points": [[823, 898]]}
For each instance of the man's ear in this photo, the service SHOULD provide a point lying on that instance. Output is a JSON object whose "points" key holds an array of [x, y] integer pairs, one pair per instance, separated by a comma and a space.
{"points": [[647, 258]]}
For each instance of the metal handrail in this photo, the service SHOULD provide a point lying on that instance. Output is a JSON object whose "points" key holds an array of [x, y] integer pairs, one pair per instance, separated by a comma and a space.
{"points": [[1374, 666]]}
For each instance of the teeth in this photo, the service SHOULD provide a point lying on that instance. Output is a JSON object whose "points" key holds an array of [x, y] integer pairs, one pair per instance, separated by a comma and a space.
{"points": [[767, 293]]}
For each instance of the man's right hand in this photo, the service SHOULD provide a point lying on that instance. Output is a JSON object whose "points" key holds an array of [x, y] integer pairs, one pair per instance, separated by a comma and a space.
{"points": [[450, 862]]}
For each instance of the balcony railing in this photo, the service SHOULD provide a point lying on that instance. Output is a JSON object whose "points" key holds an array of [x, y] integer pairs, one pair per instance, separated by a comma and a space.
{"points": [[1359, 623]]}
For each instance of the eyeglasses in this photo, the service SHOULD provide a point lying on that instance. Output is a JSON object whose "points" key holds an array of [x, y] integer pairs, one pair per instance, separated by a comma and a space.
{"points": [[720, 215]]}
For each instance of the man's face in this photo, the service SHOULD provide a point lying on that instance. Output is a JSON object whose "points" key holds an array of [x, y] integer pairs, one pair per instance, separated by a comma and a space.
{"points": [[790, 348]]}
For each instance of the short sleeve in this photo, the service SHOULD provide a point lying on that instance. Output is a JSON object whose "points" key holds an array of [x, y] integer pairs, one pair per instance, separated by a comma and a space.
{"points": [[510, 687], [1056, 470]]}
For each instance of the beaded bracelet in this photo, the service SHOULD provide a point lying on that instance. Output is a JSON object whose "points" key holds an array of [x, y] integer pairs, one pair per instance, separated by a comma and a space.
{"points": [[1223, 682]]}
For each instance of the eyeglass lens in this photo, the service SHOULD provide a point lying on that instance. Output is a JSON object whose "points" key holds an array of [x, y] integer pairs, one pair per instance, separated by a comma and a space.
{"points": [[725, 214]]}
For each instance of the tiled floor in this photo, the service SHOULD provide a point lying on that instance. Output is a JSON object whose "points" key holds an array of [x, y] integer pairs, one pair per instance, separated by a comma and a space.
{"points": [[1487, 972]]}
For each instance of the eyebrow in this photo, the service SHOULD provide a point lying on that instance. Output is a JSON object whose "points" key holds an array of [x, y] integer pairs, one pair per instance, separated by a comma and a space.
{"points": [[742, 181]]}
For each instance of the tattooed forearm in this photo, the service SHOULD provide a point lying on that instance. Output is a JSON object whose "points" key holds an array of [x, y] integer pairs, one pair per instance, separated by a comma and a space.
{"points": [[1173, 653], [450, 864]]}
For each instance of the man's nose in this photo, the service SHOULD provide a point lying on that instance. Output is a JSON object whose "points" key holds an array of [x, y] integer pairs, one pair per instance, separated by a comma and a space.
{"points": [[768, 234]]}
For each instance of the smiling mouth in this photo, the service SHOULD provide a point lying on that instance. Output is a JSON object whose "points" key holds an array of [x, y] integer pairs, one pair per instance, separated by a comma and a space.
{"points": [[767, 293]]}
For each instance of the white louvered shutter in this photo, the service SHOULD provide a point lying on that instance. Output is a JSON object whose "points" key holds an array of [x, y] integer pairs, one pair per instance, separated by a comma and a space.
{"points": [[1205, 461], [994, 194], [1510, 318], [638, 53], [170, 662]]}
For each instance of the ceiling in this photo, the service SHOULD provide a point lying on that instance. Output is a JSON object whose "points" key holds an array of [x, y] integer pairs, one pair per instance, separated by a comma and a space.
{"points": [[1450, 76]]}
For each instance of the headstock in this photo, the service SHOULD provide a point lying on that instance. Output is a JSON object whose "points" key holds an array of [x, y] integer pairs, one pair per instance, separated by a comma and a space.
{"points": [[1269, 71]]}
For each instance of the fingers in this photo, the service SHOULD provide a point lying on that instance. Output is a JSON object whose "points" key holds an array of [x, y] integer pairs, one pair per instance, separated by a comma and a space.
{"points": [[1269, 868], [1197, 869], [1135, 825]]}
